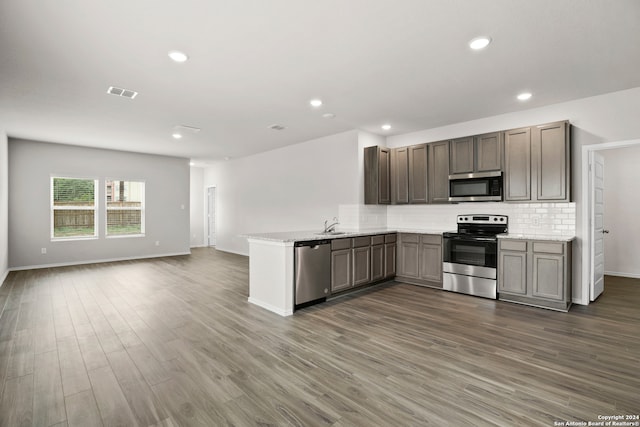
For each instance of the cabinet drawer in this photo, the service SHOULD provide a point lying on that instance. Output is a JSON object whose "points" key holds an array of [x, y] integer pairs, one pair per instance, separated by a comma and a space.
{"points": [[409, 238], [548, 247], [390, 238], [513, 245], [360, 242], [377, 240], [433, 239], [338, 244]]}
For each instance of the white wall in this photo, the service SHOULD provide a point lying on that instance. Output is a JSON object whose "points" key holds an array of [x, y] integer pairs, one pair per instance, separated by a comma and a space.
{"points": [[292, 188], [31, 165], [197, 210], [598, 119], [622, 207], [4, 207]]}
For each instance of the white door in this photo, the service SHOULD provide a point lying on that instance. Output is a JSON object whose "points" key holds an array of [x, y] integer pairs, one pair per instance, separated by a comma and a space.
{"points": [[211, 216], [596, 182]]}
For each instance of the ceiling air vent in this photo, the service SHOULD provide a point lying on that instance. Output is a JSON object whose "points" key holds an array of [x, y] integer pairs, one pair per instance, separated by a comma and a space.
{"points": [[125, 93], [276, 127]]}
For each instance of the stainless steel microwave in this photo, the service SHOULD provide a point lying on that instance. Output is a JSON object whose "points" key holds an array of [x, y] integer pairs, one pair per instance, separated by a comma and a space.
{"points": [[476, 187]]}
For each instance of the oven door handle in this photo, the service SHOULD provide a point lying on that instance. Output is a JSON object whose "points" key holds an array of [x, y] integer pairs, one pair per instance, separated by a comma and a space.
{"points": [[471, 239]]}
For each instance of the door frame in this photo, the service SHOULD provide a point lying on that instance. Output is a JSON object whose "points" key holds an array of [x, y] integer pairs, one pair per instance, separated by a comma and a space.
{"points": [[206, 212], [587, 209]]}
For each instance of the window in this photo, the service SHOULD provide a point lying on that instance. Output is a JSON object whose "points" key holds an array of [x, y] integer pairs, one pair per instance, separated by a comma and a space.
{"points": [[73, 208], [125, 207]]}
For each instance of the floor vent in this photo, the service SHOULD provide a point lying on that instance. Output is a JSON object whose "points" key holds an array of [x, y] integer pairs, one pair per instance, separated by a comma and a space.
{"points": [[125, 93]]}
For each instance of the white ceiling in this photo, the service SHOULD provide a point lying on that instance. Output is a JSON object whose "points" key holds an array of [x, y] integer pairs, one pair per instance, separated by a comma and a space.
{"points": [[254, 63]]}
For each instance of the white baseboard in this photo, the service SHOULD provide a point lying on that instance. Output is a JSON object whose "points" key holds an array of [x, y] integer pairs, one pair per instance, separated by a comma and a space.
{"points": [[230, 251], [620, 274], [199, 246], [95, 261], [270, 307], [4, 277]]}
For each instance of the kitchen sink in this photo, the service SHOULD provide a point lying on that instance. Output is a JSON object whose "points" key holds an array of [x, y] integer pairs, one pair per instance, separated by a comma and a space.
{"points": [[330, 233]]}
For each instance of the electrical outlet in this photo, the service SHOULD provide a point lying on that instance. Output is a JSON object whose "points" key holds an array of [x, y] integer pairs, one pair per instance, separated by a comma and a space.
{"points": [[536, 221], [43, 251]]}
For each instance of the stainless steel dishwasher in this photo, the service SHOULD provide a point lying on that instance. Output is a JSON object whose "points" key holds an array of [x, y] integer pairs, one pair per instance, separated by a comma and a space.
{"points": [[312, 272]]}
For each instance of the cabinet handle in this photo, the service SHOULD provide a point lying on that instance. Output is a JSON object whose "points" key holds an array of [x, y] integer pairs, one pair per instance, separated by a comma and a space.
{"points": [[605, 231]]}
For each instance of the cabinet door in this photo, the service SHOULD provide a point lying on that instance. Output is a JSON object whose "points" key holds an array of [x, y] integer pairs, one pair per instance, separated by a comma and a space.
{"points": [[517, 165], [548, 276], [400, 175], [389, 260], [512, 277], [384, 176], [377, 175], [408, 258], [431, 262], [550, 147], [377, 262], [462, 155], [418, 174], [361, 258], [439, 172], [488, 150], [341, 277]]}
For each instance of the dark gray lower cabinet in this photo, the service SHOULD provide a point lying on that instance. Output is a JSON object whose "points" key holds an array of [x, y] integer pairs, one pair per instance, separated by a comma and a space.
{"points": [[341, 277], [361, 266], [390, 255], [420, 259], [361, 260], [535, 272]]}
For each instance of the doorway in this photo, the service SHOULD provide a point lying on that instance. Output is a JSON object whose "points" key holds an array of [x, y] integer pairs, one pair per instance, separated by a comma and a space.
{"points": [[593, 227], [211, 216]]}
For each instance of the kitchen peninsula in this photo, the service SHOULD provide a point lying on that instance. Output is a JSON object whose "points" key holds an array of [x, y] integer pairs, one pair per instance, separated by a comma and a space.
{"points": [[272, 263]]}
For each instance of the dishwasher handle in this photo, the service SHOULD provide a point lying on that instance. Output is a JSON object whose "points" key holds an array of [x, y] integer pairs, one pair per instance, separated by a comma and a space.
{"points": [[314, 244]]}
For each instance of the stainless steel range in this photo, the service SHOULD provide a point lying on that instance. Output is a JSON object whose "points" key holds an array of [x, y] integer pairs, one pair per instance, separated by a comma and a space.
{"points": [[470, 255]]}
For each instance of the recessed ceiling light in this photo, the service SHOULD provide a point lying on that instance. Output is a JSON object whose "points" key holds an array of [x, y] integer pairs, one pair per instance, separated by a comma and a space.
{"points": [[178, 56], [315, 103], [479, 43], [192, 164], [386, 127], [524, 96], [176, 135]]}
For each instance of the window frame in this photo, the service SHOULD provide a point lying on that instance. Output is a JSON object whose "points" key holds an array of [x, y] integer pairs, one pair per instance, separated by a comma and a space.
{"points": [[52, 208], [142, 210]]}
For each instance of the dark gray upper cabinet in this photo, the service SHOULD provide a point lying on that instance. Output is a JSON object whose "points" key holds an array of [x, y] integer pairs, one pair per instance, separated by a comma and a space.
{"points": [[418, 187], [400, 175], [517, 165], [438, 172], [377, 176], [481, 153], [538, 163], [461, 159], [551, 151], [488, 152]]}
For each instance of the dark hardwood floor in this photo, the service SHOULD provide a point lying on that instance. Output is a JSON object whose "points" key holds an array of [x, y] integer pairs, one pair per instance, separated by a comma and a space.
{"points": [[174, 342]]}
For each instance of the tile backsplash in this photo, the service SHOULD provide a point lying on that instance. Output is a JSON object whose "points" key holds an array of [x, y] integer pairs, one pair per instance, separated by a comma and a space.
{"points": [[524, 218]]}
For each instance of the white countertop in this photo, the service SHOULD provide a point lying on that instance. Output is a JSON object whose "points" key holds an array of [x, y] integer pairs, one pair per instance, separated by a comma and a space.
{"points": [[553, 237], [301, 236]]}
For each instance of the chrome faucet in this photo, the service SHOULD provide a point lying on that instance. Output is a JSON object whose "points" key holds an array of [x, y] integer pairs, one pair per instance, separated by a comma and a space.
{"points": [[331, 227]]}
